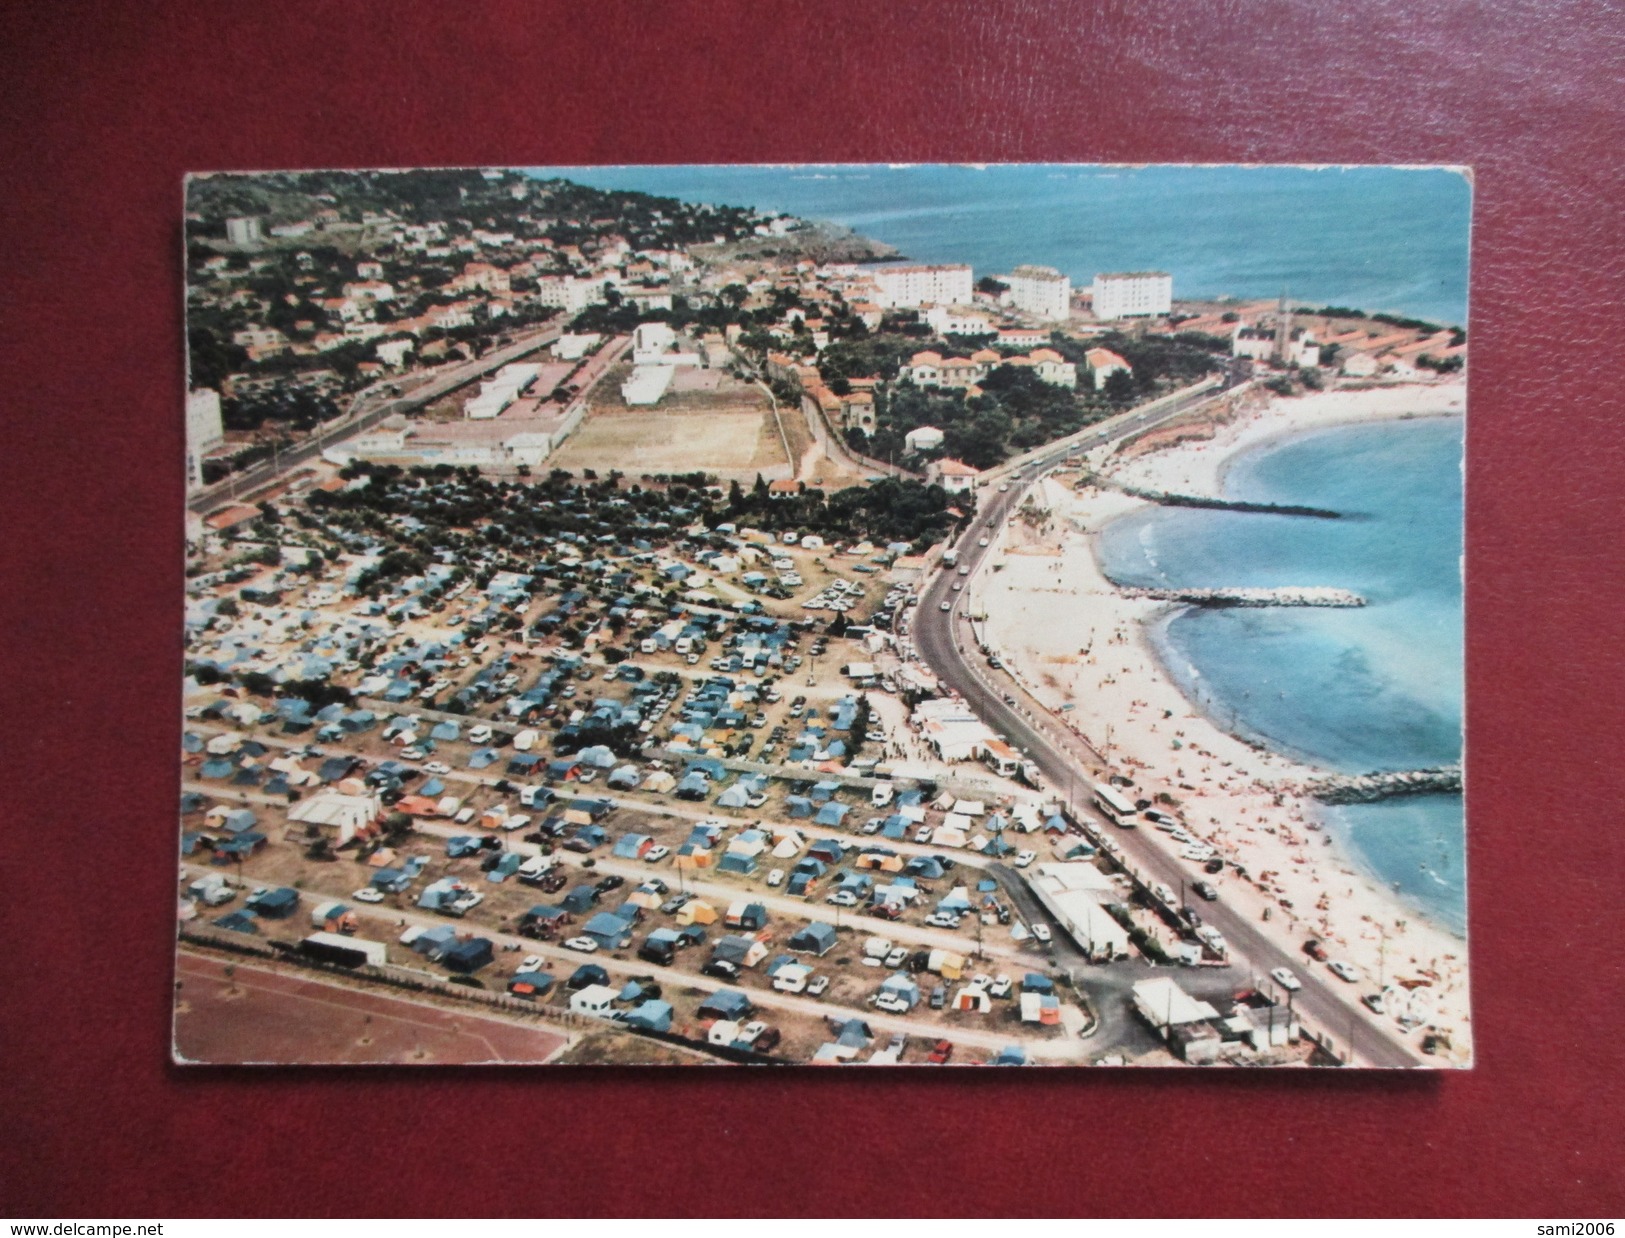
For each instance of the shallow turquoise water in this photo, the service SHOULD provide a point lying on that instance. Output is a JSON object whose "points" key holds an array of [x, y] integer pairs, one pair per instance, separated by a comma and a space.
{"points": [[1350, 690]]}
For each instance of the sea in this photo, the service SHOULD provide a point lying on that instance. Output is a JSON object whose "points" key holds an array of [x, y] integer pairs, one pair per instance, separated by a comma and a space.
{"points": [[1352, 691], [1347, 690], [1376, 238]]}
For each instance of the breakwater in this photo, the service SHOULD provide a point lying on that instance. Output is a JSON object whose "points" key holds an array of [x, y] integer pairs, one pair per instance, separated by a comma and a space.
{"points": [[1309, 595], [1166, 499], [1369, 788]]}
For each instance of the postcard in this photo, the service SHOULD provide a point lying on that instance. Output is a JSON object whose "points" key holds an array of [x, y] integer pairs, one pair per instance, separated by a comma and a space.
{"points": [[834, 615]]}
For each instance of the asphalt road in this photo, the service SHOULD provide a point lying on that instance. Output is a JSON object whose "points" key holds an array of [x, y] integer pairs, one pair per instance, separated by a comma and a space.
{"points": [[946, 643], [240, 484]]}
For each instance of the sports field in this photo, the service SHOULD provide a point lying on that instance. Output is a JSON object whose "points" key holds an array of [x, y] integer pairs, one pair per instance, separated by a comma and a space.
{"points": [[257, 1015], [724, 427]]}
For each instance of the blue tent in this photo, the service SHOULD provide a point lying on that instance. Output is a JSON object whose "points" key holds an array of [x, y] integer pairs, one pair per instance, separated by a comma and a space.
{"points": [[239, 921], [219, 767], [799, 806], [446, 731], [816, 938], [832, 813], [652, 1016], [482, 757], [275, 904], [432, 788]]}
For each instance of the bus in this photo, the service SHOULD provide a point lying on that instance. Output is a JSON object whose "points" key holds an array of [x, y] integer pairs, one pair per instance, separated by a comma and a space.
{"points": [[1117, 809]]}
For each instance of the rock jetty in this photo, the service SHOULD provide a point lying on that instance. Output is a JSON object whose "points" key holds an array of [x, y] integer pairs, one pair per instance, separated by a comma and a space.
{"points": [[1308, 595], [1369, 788]]}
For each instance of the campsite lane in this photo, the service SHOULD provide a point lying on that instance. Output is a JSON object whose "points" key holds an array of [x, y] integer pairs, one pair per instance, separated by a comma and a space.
{"points": [[1065, 1049]]}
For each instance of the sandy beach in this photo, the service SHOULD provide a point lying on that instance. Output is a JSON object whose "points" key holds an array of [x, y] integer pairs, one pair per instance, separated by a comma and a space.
{"points": [[1071, 637]]}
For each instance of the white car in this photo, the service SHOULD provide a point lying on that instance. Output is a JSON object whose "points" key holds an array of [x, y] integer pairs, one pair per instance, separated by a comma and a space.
{"points": [[945, 606], [842, 898], [981, 541], [1041, 931], [775, 877], [656, 854], [586, 945], [818, 986], [891, 1003], [1284, 977], [437, 767], [1025, 858], [1343, 971], [531, 962], [1000, 987], [480, 735], [896, 957], [368, 895], [1162, 892]]}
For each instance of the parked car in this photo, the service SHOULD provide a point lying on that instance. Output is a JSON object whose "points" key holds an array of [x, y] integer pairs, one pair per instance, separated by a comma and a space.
{"points": [[1041, 931], [1025, 858], [721, 969], [656, 854], [944, 1050], [1343, 971], [775, 877], [1000, 987], [896, 957], [368, 895], [1315, 950], [1284, 977], [842, 898], [586, 945], [818, 986], [1206, 891]]}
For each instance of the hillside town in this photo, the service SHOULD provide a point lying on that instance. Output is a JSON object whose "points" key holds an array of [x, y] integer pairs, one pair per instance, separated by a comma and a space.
{"points": [[581, 639]]}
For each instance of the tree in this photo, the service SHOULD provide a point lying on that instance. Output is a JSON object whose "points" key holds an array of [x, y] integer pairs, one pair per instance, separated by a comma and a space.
{"points": [[1120, 387]]}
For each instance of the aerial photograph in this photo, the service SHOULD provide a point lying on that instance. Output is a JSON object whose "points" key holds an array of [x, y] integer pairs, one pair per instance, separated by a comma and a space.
{"points": [[896, 614]]}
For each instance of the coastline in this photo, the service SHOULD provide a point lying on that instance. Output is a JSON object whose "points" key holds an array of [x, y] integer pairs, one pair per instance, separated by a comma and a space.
{"points": [[1239, 796]]}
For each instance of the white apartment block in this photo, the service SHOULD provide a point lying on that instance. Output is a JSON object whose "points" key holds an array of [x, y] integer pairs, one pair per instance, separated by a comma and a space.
{"points": [[203, 431], [1042, 292], [244, 230], [568, 293], [912, 286], [1133, 294]]}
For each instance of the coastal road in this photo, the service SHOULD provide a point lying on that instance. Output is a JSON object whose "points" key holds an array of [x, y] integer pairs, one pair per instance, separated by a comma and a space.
{"points": [[226, 491], [946, 643]]}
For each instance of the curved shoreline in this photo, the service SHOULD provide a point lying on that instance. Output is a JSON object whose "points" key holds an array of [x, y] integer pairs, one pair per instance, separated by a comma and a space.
{"points": [[1161, 646], [1234, 790]]}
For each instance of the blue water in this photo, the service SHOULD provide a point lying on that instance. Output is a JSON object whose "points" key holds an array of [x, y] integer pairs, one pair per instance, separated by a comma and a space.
{"points": [[1374, 238], [1379, 687]]}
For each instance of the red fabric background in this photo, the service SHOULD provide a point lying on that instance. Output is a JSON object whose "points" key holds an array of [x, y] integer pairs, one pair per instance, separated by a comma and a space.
{"points": [[106, 105]]}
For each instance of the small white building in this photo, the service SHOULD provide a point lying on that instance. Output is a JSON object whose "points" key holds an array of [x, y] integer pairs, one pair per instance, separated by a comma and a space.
{"points": [[923, 438], [954, 476], [243, 230], [1103, 363], [394, 353], [575, 347]]}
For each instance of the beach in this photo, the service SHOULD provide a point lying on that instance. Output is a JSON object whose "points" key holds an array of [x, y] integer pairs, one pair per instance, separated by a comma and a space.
{"points": [[1073, 637]]}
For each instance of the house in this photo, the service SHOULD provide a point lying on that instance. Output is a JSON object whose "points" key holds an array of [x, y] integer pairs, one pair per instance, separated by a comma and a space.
{"points": [[1103, 363], [954, 476], [633, 846]]}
